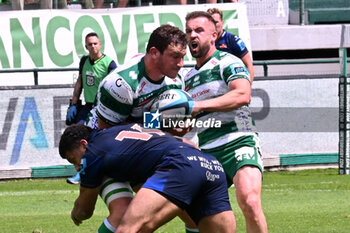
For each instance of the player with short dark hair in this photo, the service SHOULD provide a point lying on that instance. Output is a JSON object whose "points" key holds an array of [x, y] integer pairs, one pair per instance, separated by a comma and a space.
{"points": [[159, 161], [131, 90]]}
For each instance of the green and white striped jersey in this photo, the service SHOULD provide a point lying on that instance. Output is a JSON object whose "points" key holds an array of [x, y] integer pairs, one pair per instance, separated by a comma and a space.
{"points": [[128, 92], [209, 81]]}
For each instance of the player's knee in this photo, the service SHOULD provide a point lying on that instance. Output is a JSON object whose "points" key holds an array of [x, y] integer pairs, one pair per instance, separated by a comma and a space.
{"points": [[149, 227], [126, 227], [251, 206], [117, 209]]}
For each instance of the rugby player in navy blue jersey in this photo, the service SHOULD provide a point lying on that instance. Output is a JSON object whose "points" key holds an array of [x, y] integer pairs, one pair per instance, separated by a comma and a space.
{"points": [[174, 175], [129, 91], [230, 43]]}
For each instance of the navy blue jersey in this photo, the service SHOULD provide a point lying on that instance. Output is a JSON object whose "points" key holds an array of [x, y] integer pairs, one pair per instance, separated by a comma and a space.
{"points": [[232, 44], [127, 153], [191, 179]]}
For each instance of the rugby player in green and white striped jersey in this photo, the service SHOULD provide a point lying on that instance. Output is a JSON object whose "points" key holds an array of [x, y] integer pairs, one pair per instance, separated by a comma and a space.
{"points": [[221, 89], [129, 91]]}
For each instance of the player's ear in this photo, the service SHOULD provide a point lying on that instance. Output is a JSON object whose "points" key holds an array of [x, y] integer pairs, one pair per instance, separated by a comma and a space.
{"points": [[83, 142], [215, 35], [154, 52]]}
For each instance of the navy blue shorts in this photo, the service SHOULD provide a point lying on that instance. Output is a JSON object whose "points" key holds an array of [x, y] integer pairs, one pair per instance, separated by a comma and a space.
{"points": [[192, 180]]}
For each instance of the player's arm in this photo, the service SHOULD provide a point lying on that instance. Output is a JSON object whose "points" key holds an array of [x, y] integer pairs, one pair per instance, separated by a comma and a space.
{"points": [[72, 110], [247, 60], [190, 143], [78, 88], [238, 96], [240, 50], [84, 205], [114, 108], [111, 66]]}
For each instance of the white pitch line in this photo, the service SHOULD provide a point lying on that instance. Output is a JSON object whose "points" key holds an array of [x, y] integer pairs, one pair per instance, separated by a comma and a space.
{"points": [[308, 190], [37, 192], [298, 184]]}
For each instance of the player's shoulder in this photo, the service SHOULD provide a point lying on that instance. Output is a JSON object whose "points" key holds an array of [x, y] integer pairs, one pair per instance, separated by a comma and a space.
{"points": [[225, 57], [108, 60], [125, 76], [83, 59], [177, 81], [133, 70], [230, 36], [132, 62], [229, 64]]}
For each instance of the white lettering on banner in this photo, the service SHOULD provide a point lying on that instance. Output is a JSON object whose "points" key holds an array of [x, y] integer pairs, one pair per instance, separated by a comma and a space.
{"points": [[280, 9], [55, 38]]}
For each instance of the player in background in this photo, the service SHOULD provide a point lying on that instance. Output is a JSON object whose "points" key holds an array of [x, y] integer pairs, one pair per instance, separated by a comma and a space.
{"points": [[220, 87], [92, 69], [231, 43], [159, 161], [129, 91]]}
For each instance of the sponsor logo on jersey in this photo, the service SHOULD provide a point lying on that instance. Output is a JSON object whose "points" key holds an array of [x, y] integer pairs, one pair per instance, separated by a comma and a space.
{"points": [[211, 176], [223, 46], [241, 44], [239, 70], [214, 62], [90, 78], [165, 97], [119, 82], [145, 101], [143, 84], [195, 95]]}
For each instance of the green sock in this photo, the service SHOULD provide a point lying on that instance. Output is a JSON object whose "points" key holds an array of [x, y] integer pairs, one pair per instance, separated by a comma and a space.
{"points": [[191, 230], [106, 227]]}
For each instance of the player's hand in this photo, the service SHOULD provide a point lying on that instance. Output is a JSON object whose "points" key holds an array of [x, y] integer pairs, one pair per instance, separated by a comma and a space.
{"points": [[196, 108], [71, 113], [75, 220], [179, 132]]}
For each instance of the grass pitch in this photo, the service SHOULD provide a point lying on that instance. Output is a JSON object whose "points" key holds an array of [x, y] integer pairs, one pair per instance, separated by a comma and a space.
{"points": [[312, 201]]}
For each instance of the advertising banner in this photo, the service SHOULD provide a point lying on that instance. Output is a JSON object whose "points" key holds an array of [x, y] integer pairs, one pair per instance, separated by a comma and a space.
{"points": [[55, 38]]}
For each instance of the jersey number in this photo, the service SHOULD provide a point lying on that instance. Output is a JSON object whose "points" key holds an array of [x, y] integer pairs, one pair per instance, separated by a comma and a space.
{"points": [[139, 134]]}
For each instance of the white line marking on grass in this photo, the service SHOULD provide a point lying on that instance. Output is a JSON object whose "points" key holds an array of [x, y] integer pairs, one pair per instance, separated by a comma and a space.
{"points": [[298, 184], [308, 190], [37, 192]]}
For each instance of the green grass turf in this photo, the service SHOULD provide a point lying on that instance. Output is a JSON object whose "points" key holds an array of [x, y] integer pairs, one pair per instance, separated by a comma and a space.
{"points": [[293, 201]]}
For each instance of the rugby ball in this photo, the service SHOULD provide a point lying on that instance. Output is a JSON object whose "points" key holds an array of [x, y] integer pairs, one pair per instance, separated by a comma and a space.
{"points": [[173, 104]]}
